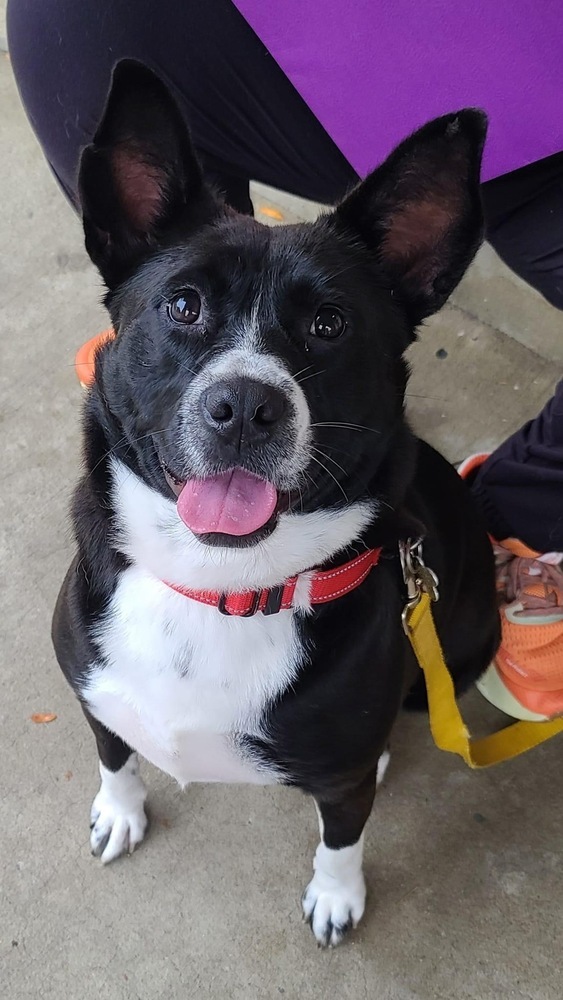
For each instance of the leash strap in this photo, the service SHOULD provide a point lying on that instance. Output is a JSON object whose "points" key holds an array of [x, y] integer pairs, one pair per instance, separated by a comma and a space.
{"points": [[448, 728]]}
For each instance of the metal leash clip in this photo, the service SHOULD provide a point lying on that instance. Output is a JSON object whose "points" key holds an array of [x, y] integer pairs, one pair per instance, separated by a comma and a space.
{"points": [[419, 579]]}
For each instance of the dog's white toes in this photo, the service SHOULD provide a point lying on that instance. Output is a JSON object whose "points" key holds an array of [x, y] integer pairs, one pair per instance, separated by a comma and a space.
{"points": [[116, 833], [118, 819], [332, 911]]}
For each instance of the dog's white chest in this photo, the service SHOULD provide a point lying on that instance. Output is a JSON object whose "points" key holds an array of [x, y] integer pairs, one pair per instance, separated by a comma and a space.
{"points": [[181, 683]]}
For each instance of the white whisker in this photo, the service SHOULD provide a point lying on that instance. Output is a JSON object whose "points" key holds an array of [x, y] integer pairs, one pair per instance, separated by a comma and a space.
{"points": [[345, 426], [329, 459], [301, 370], [340, 487], [312, 375]]}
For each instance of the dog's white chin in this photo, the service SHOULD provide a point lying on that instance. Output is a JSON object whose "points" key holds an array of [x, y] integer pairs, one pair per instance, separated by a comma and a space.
{"points": [[151, 534]]}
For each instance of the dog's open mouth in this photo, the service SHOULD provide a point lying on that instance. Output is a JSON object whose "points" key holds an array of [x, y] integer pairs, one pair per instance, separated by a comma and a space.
{"points": [[234, 503]]}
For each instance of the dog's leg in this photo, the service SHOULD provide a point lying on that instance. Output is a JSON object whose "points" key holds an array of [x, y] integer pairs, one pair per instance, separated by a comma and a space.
{"points": [[334, 900], [118, 820]]}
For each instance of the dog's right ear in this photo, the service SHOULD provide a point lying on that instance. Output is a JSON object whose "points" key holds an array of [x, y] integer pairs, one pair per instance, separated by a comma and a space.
{"points": [[140, 178]]}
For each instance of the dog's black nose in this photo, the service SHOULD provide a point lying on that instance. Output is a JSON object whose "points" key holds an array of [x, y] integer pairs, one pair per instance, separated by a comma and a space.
{"points": [[243, 409]]}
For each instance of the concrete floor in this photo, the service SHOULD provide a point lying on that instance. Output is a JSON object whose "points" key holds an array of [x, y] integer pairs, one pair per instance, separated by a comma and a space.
{"points": [[466, 895]]}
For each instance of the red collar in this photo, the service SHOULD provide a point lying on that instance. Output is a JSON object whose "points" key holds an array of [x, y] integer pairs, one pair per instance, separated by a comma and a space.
{"points": [[324, 586]]}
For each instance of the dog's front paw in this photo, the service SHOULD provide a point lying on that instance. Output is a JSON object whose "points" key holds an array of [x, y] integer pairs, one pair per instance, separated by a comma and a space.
{"points": [[332, 908], [114, 832], [118, 820]]}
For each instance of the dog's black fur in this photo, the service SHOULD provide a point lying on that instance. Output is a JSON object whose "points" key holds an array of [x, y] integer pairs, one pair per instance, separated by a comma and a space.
{"points": [[387, 257]]}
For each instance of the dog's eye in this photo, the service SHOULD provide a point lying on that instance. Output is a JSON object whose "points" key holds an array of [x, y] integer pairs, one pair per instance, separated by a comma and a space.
{"points": [[329, 323], [185, 307]]}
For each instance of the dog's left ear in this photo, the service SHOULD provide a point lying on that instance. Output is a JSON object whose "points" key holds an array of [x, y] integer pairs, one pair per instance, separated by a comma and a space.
{"points": [[420, 211], [140, 177]]}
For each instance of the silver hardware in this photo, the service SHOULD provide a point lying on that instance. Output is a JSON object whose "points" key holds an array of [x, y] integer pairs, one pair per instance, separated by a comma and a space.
{"points": [[428, 582], [419, 578]]}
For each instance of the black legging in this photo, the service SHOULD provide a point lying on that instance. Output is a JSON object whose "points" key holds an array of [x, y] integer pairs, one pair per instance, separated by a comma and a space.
{"points": [[248, 121]]}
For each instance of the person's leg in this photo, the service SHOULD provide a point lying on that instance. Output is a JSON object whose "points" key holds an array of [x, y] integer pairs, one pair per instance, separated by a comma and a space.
{"points": [[520, 486], [247, 119], [524, 216]]}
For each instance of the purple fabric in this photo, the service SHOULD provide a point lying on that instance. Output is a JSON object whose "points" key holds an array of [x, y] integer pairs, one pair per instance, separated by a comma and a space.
{"points": [[373, 71]]}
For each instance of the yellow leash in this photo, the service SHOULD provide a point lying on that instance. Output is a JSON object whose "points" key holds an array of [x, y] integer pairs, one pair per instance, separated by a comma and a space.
{"points": [[448, 728]]}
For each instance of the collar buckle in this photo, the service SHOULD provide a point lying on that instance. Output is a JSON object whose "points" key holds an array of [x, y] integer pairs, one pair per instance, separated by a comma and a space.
{"points": [[273, 601], [222, 606]]}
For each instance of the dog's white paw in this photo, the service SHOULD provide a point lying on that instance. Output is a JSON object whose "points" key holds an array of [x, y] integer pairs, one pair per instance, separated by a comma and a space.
{"points": [[118, 820], [332, 911], [334, 901]]}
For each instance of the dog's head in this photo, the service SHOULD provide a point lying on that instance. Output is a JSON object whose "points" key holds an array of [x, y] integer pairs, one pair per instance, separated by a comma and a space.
{"points": [[258, 369]]}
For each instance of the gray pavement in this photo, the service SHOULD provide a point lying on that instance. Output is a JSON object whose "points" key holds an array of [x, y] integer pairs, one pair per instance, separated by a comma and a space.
{"points": [[464, 869]]}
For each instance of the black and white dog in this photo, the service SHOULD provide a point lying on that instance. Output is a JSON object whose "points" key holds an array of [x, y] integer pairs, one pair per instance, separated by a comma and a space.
{"points": [[233, 612]]}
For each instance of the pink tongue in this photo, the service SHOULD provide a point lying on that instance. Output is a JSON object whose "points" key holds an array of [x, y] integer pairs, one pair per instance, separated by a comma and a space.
{"points": [[234, 503]]}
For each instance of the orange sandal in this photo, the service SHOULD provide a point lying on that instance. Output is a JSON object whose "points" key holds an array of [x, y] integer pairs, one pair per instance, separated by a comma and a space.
{"points": [[526, 678]]}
